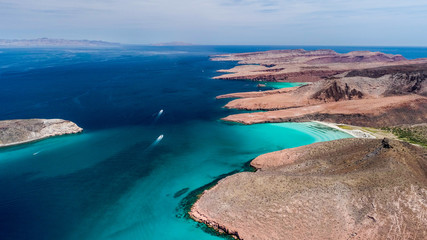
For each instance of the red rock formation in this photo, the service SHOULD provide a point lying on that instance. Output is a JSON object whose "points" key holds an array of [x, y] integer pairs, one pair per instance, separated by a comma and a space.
{"points": [[343, 189], [388, 111], [365, 98], [307, 66]]}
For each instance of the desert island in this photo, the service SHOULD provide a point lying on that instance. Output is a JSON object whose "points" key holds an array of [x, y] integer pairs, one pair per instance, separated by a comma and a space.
{"points": [[19, 131], [373, 186]]}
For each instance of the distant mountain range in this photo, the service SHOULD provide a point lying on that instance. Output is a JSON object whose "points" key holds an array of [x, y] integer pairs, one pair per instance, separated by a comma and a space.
{"points": [[49, 42]]}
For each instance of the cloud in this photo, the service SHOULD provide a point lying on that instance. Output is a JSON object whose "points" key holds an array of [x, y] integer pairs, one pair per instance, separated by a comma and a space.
{"points": [[210, 21]]}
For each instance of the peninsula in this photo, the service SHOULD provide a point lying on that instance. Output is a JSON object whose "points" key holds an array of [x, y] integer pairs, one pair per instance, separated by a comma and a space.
{"points": [[358, 88], [13, 132], [355, 188], [342, 189], [304, 66]]}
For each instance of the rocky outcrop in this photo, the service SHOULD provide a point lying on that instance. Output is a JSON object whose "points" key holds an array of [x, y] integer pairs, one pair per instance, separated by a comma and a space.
{"points": [[336, 93], [304, 76], [256, 94], [413, 82], [387, 111], [373, 83], [375, 97], [404, 78], [19, 131], [357, 57], [305, 66], [376, 72], [343, 189]]}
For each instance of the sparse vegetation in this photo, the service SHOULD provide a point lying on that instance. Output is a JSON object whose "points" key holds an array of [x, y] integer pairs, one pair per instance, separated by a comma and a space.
{"points": [[414, 134], [372, 130], [346, 127]]}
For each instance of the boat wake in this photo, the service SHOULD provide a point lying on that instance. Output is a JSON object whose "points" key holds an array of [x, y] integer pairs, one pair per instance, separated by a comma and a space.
{"points": [[155, 143], [34, 154], [158, 115]]}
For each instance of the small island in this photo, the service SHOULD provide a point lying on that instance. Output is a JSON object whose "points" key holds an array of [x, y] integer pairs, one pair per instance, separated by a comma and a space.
{"points": [[367, 187], [13, 132]]}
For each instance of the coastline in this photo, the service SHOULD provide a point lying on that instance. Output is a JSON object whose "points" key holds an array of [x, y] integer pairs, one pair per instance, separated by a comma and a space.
{"points": [[355, 133], [184, 209], [120, 189], [21, 131], [302, 193], [186, 204], [331, 103]]}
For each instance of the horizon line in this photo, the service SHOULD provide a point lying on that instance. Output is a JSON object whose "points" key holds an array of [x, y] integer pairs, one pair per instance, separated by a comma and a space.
{"points": [[189, 44]]}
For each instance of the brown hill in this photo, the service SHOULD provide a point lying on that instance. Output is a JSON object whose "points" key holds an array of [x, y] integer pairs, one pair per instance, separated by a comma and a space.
{"points": [[343, 189], [304, 66], [387, 111], [361, 84], [376, 97]]}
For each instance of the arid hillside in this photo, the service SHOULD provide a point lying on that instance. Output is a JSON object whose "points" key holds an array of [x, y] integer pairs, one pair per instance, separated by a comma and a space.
{"points": [[343, 189], [385, 95]]}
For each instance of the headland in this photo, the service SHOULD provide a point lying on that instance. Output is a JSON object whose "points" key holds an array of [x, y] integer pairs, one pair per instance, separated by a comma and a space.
{"points": [[360, 88], [342, 189], [359, 188]]}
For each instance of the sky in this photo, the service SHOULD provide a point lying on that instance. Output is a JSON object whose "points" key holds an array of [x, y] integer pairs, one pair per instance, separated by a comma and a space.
{"points": [[245, 22]]}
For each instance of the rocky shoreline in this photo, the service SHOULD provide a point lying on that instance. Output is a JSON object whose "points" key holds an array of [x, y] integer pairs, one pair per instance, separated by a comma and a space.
{"points": [[389, 111], [305, 66], [357, 133], [13, 132], [360, 188], [375, 90], [342, 189]]}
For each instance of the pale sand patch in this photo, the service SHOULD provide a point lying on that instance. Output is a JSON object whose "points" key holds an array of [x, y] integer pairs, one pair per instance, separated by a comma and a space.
{"points": [[357, 133]]}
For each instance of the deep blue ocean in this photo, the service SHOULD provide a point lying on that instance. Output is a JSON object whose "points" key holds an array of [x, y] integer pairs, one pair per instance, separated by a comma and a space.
{"points": [[119, 179]]}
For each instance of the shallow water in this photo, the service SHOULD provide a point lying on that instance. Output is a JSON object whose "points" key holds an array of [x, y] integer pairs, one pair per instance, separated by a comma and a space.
{"points": [[277, 85], [118, 179]]}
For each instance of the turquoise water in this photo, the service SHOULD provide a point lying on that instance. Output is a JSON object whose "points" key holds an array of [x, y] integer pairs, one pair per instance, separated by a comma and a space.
{"points": [[118, 179], [130, 188], [277, 85]]}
